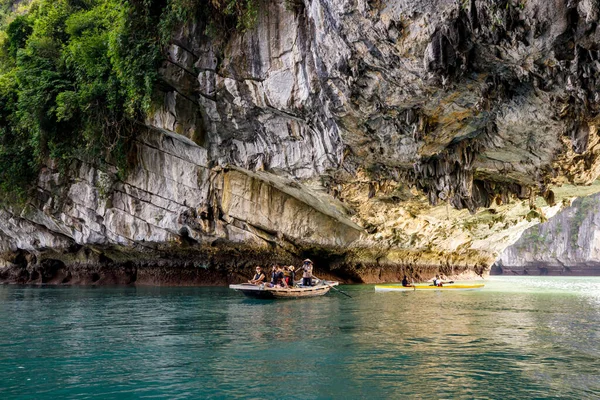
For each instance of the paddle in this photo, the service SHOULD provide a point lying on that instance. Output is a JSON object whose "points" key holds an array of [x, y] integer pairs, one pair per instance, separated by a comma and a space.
{"points": [[334, 288]]}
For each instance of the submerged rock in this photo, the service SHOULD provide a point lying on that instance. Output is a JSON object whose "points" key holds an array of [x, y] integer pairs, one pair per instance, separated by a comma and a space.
{"points": [[380, 138]]}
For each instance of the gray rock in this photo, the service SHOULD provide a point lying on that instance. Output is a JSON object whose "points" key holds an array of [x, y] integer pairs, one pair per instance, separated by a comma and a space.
{"points": [[443, 128], [568, 244]]}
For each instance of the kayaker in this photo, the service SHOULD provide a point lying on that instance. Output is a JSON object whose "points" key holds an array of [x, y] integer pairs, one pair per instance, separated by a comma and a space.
{"points": [[259, 277], [405, 282], [307, 268], [437, 281]]}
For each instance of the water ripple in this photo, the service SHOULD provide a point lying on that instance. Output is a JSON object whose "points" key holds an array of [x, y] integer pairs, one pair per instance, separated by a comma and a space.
{"points": [[518, 338]]}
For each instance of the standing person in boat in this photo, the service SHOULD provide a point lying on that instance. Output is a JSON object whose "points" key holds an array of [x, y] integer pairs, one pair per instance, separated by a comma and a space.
{"points": [[259, 277], [307, 268]]}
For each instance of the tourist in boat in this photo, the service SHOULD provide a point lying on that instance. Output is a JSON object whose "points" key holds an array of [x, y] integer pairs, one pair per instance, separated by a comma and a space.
{"points": [[259, 277], [281, 277], [273, 274], [307, 268], [276, 277], [286, 275], [437, 281], [292, 270]]}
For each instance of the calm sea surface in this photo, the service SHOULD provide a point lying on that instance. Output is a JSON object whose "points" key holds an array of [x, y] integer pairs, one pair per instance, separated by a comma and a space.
{"points": [[518, 338]]}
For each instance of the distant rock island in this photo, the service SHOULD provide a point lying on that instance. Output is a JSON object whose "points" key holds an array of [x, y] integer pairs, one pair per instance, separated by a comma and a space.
{"points": [[568, 244]]}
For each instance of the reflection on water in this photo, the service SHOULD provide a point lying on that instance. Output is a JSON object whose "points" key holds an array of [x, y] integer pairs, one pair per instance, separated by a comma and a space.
{"points": [[518, 338]]}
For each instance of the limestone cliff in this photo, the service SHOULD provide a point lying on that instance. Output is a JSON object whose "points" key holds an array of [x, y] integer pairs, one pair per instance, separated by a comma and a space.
{"points": [[568, 244], [378, 137]]}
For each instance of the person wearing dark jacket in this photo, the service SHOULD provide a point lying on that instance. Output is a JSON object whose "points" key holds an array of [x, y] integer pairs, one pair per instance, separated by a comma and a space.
{"points": [[276, 276], [259, 277], [292, 275]]}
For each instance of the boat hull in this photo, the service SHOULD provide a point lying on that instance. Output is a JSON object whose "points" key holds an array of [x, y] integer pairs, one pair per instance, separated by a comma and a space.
{"points": [[447, 287], [263, 292]]}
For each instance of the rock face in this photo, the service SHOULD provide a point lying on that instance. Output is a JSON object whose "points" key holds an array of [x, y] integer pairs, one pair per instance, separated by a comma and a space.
{"points": [[380, 138], [568, 244]]}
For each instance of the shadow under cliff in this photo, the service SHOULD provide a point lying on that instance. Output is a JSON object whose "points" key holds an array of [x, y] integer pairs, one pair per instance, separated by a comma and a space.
{"points": [[215, 266]]}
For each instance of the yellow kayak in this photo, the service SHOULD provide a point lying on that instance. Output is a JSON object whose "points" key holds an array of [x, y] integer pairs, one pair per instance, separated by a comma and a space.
{"points": [[424, 286]]}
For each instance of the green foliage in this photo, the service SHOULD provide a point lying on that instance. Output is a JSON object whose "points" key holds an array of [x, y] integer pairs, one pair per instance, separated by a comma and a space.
{"points": [[77, 75], [220, 15], [78, 81], [15, 148], [17, 33]]}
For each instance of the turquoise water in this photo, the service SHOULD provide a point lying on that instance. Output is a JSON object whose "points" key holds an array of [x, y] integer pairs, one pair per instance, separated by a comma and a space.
{"points": [[518, 338]]}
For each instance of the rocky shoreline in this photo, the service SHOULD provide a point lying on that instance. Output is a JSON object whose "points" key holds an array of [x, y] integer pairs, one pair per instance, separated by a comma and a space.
{"points": [[203, 267], [234, 264]]}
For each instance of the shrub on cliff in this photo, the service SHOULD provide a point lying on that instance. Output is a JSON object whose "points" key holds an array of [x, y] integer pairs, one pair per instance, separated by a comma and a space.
{"points": [[77, 76]]}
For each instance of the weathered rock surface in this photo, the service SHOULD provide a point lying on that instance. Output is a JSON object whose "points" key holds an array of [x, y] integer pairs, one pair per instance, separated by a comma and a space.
{"points": [[379, 138], [568, 244]]}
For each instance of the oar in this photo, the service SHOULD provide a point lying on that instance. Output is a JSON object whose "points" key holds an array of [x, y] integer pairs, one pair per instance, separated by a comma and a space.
{"points": [[334, 288]]}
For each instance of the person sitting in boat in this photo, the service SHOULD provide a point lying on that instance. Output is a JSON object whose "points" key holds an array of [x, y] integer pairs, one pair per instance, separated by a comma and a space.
{"points": [[259, 277], [281, 278], [286, 275], [437, 281], [273, 274], [292, 270], [307, 268], [277, 277]]}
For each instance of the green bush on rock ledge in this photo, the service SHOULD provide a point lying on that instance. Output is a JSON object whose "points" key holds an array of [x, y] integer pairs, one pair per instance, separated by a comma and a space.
{"points": [[77, 75]]}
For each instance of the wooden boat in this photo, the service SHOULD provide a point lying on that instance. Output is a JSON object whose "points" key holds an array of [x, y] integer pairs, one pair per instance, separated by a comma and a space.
{"points": [[264, 292], [424, 286]]}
